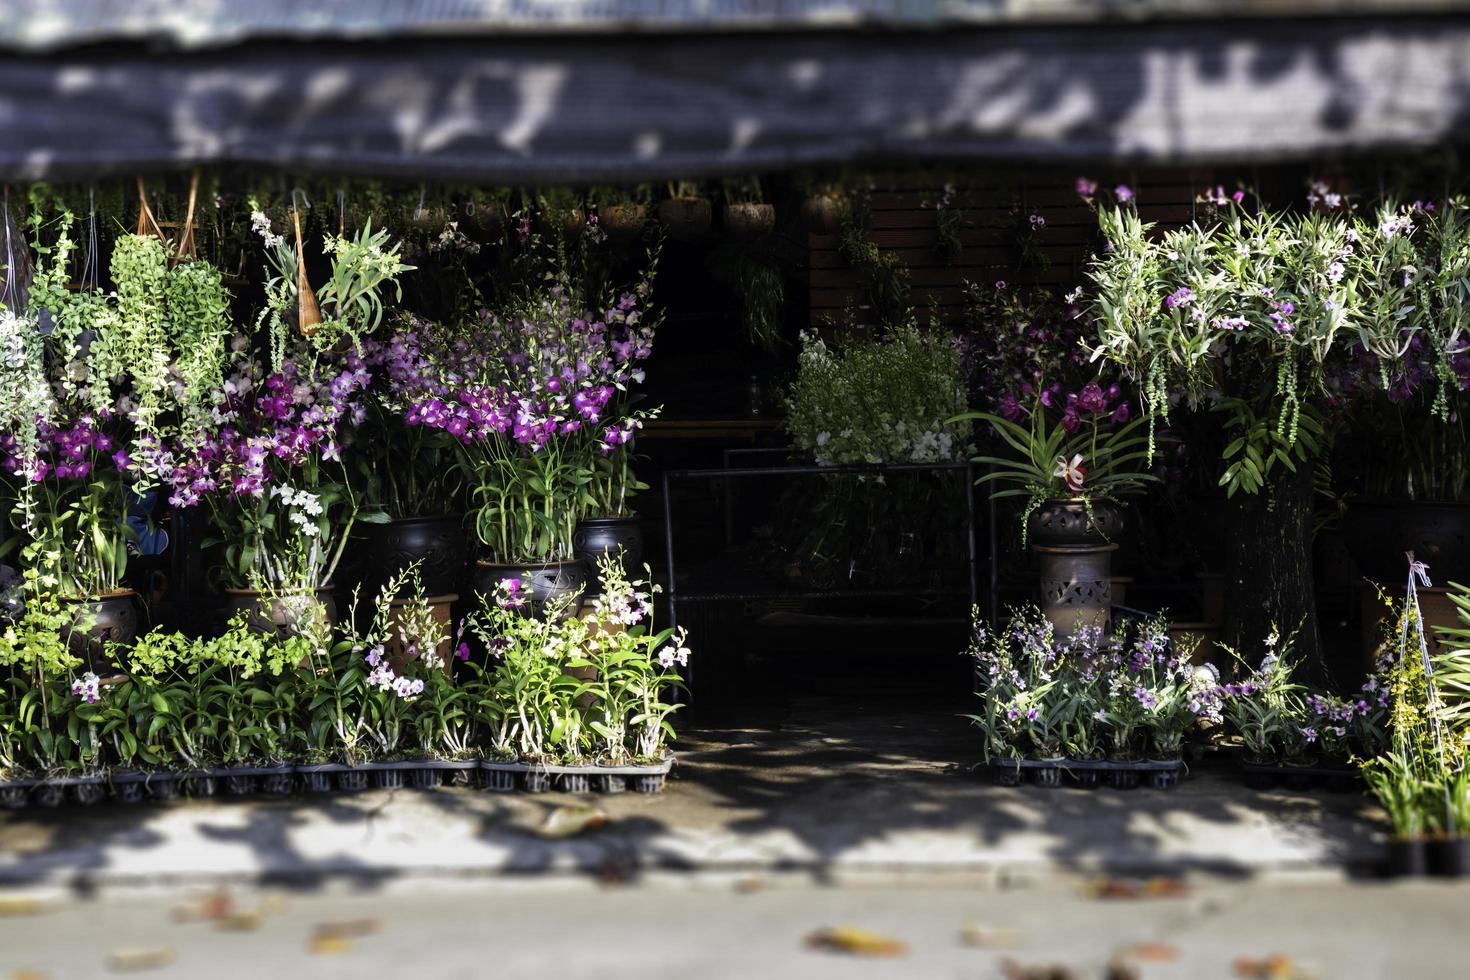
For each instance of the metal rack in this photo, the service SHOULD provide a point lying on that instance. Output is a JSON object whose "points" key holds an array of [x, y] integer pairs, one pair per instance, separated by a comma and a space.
{"points": [[728, 474]]}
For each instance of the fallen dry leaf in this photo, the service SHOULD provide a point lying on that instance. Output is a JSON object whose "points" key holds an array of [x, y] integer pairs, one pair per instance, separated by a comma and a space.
{"points": [[750, 884], [216, 905], [859, 942], [988, 937], [1155, 952], [1012, 970], [1275, 966], [240, 921], [350, 928], [29, 975], [17, 905], [569, 821], [137, 960], [1128, 888]]}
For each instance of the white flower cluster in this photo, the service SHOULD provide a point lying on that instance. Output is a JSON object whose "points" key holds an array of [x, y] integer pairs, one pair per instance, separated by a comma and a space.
{"points": [[628, 608], [303, 508], [261, 225]]}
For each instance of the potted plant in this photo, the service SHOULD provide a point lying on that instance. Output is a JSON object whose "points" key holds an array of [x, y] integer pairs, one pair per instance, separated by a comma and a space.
{"points": [[1260, 703], [407, 469], [610, 526], [532, 386], [622, 213], [561, 213], [685, 214], [824, 207], [746, 215], [1076, 458]]}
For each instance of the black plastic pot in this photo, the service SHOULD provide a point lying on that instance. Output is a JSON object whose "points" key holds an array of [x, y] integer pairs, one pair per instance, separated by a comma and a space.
{"points": [[238, 780], [543, 581], [48, 795], [1049, 777], [439, 544], [278, 780], [575, 782], [387, 775], [89, 791], [200, 783], [97, 621], [648, 784], [352, 779], [14, 795], [1006, 773], [596, 536], [499, 777], [612, 784], [317, 777], [1086, 778], [163, 787], [1449, 858], [1406, 858], [536, 781], [129, 786], [1163, 778], [424, 778], [1121, 775]]}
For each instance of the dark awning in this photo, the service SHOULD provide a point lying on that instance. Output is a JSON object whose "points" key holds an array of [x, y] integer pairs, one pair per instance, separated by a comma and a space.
{"points": [[636, 106]]}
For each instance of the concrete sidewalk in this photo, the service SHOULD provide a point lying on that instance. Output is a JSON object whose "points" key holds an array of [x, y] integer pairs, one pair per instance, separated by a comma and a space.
{"points": [[829, 793]]}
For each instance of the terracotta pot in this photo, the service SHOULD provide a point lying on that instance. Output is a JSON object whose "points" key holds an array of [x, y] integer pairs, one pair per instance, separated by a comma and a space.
{"points": [[97, 621], [749, 221], [441, 608], [686, 219]]}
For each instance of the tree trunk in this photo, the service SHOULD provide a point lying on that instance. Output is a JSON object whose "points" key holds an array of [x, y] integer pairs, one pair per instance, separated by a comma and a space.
{"points": [[1269, 583]]}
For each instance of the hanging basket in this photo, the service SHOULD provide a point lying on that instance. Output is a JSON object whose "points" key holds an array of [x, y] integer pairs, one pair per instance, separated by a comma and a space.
{"points": [[747, 222], [623, 222], [823, 214], [485, 221], [686, 219]]}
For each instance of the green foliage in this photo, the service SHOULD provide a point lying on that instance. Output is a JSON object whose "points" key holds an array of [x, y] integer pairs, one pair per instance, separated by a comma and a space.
{"points": [[886, 399]]}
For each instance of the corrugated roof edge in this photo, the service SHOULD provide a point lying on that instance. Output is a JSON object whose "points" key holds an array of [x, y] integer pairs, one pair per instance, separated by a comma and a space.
{"points": [[50, 25]]}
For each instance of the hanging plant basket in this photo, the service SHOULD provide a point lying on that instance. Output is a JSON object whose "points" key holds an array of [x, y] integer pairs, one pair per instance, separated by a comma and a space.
{"points": [[429, 221], [747, 222], [686, 219], [568, 223], [623, 222], [823, 214], [485, 221]]}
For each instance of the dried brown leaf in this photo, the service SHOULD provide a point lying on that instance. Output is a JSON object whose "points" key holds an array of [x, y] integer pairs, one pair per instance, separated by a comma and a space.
{"points": [[569, 821], [138, 960], [988, 937]]}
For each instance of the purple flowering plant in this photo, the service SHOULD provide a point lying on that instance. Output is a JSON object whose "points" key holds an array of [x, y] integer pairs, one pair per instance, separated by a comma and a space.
{"points": [[1067, 445], [1272, 317], [539, 396]]}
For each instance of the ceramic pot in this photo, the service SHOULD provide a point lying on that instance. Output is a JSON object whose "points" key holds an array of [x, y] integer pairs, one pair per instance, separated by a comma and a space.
{"points": [[623, 222], [598, 536], [97, 621], [545, 582], [280, 615], [440, 545]]}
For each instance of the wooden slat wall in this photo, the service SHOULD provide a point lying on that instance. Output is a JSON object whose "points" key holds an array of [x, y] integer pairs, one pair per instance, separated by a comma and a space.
{"points": [[900, 223]]}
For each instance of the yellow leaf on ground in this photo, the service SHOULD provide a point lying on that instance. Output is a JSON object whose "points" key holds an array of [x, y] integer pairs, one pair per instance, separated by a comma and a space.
{"points": [[328, 944], [859, 942], [15, 905], [1157, 952]]}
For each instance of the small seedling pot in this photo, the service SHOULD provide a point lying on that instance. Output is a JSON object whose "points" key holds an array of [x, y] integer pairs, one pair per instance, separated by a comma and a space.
{"points": [[89, 792], [612, 784], [281, 781], [648, 784], [1049, 777], [199, 784], [536, 782], [424, 778], [352, 780], [1006, 773], [14, 796], [575, 782], [1121, 775], [48, 795], [129, 787], [163, 787], [499, 777]]}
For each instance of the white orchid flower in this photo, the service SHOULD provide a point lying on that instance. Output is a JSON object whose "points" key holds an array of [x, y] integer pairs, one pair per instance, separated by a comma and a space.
{"points": [[1071, 472]]}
